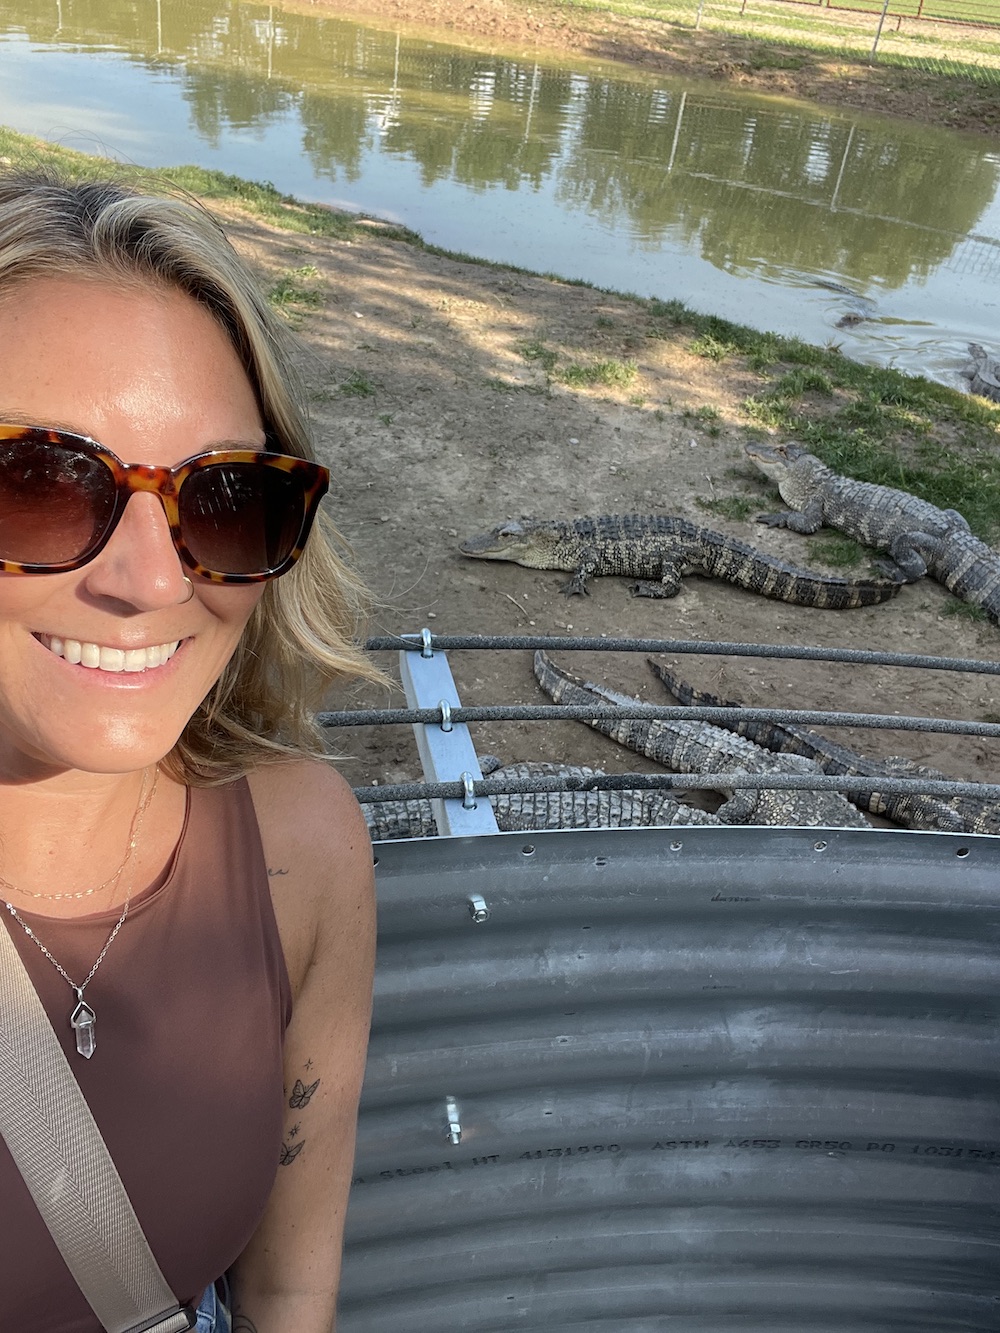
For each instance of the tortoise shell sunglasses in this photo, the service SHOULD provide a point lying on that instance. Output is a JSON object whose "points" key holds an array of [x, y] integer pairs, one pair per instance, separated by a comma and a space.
{"points": [[235, 515]]}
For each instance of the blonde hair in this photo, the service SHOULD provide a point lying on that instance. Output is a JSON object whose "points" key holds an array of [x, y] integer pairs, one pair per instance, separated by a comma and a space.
{"points": [[302, 636]]}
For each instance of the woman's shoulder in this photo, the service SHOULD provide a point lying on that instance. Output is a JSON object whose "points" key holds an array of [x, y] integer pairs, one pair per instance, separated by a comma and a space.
{"points": [[302, 794], [317, 851]]}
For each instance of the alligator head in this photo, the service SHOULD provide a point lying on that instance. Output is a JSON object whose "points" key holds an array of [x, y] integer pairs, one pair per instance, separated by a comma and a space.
{"points": [[524, 541]]}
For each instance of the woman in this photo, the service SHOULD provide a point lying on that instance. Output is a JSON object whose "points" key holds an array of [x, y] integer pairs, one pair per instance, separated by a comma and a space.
{"points": [[188, 885]]}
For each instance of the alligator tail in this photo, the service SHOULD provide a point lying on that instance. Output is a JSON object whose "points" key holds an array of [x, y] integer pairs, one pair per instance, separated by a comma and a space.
{"points": [[741, 565]]}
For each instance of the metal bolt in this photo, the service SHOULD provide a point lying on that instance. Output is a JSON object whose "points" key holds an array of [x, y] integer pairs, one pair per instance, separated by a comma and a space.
{"points": [[454, 1124], [478, 909], [819, 846]]}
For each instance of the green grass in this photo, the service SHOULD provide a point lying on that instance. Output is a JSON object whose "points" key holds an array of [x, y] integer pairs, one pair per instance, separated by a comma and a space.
{"points": [[289, 295], [963, 611], [358, 385], [535, 351], [737, 507], [612, 373], [837, 551]]}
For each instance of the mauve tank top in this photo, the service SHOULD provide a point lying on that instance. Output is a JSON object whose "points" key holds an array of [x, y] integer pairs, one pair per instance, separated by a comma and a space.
{"points": [[192, 1002]]}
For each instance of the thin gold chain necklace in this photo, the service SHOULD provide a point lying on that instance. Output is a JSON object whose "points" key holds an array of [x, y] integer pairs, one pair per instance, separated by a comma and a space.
{"points": [[82, 1018], [145, 796]]}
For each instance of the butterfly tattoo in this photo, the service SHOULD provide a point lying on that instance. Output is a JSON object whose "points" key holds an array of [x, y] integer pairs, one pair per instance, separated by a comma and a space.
{"points": [[302, 1094], [289, 1154]]}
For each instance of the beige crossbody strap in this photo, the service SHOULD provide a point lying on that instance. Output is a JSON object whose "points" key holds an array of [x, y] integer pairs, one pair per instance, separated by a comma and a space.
{"points": [[59, 1150]]}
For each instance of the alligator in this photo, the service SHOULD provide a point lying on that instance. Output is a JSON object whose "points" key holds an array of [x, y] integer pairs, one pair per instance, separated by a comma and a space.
{"points": [[918, 537], [659, 550], [983, 373], [537, 810], [862, 307], [699, 747], [912, 810]]}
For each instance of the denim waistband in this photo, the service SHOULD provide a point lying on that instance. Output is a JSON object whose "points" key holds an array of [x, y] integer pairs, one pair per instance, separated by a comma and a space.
{"points": [[213, 1311]]}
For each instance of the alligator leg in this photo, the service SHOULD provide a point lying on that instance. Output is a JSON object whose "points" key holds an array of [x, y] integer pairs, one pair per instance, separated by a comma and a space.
{"points": [[808, 521], [669, 585], [584, 571]]}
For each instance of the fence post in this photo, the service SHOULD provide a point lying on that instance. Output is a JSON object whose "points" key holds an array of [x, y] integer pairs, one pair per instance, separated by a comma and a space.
{"points": [[701, 6], [878, 31]]}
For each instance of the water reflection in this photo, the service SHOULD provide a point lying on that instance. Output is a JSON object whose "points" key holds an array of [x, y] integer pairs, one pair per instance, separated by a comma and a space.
{"points": [[635, 170]]}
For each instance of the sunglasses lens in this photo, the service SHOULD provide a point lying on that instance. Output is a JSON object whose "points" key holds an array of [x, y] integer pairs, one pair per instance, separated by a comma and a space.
{"points": [[241, 518], [55, 502]]}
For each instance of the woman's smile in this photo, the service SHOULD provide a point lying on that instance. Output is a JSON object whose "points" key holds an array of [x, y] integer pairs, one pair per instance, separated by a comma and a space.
{"points": [[101, 657]]}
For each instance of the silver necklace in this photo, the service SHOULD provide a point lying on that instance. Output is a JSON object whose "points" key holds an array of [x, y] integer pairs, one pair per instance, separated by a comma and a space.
{"points": [[82, 1019]]}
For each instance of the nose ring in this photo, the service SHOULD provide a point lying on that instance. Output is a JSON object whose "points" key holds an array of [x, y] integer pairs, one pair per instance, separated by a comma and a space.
{"points": [[190, 591]]}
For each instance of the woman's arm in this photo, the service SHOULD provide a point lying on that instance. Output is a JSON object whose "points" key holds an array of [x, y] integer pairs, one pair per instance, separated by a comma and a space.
{"points": [[320, 862]]}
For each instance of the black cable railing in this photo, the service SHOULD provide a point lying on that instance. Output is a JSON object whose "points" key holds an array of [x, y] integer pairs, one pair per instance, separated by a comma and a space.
{"points": [[885, 784]]}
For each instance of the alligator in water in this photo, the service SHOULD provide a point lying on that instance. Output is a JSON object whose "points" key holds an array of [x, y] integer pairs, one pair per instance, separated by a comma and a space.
{"points": [[699, 747], [659, 550], [918, 537], [862, 308], [912, 810], [536, 810], [983, 373]]}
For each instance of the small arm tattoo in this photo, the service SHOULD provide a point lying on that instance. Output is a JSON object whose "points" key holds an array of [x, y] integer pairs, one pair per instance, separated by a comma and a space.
{"points": [[241, 1324], [294, 1130], [275, 870], [302, 1094], [290, 1152]]}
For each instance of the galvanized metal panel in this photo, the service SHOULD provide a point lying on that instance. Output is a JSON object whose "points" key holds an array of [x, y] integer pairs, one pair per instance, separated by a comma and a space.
{"points": [[706, 1079]]}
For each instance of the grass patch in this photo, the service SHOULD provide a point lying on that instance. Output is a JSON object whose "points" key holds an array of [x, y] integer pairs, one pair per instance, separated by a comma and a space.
{"points": [[614, 374], [289, 295], [713, 348], [838, 551], [963, 610], [538, 354], [358, 385], [737, 507]]}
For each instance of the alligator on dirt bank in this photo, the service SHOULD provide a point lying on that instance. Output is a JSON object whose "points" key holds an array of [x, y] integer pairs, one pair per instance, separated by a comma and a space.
{"points": [[536, 810], [912, 810], [918, 537], [983, 373], [699, 747], [658, 550]]}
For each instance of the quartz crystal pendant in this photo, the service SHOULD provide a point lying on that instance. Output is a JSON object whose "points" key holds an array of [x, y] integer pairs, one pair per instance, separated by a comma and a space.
{"points": [[83, 1021]]}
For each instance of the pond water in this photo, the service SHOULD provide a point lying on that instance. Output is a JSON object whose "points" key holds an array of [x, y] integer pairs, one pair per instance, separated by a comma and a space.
{"points": [[738, 205]]}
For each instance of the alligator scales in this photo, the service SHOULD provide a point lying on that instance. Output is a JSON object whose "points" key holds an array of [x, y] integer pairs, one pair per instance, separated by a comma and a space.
{"points": [[918, 537], [699, 747], [537, 810], [912, 809], [658, 550]]}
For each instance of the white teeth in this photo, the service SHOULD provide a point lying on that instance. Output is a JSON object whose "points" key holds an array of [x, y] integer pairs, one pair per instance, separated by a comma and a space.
{"points": [[98, 657]]}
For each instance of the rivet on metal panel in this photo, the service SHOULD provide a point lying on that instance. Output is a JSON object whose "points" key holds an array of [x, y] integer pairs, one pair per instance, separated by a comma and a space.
{"points": [[528, 849], [454, 1124], [469, 798], [676, 846], [819, 846], [426, 640], [446, 722], [478, 909]]}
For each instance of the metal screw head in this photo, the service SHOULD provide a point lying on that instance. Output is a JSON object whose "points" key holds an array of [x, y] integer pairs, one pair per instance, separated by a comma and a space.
{"points": [[478, 909]]}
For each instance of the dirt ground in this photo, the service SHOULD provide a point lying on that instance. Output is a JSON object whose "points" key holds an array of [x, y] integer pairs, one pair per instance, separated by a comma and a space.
{"points": [[435, 426], [672, 49]]}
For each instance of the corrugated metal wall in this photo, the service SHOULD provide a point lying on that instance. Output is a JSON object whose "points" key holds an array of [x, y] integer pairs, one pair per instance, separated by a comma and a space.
{"points": [[699, 1079]]}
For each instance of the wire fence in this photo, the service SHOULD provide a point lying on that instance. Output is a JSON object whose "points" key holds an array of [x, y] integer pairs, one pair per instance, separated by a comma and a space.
{"points": [[955, 38], [849, 784]]}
